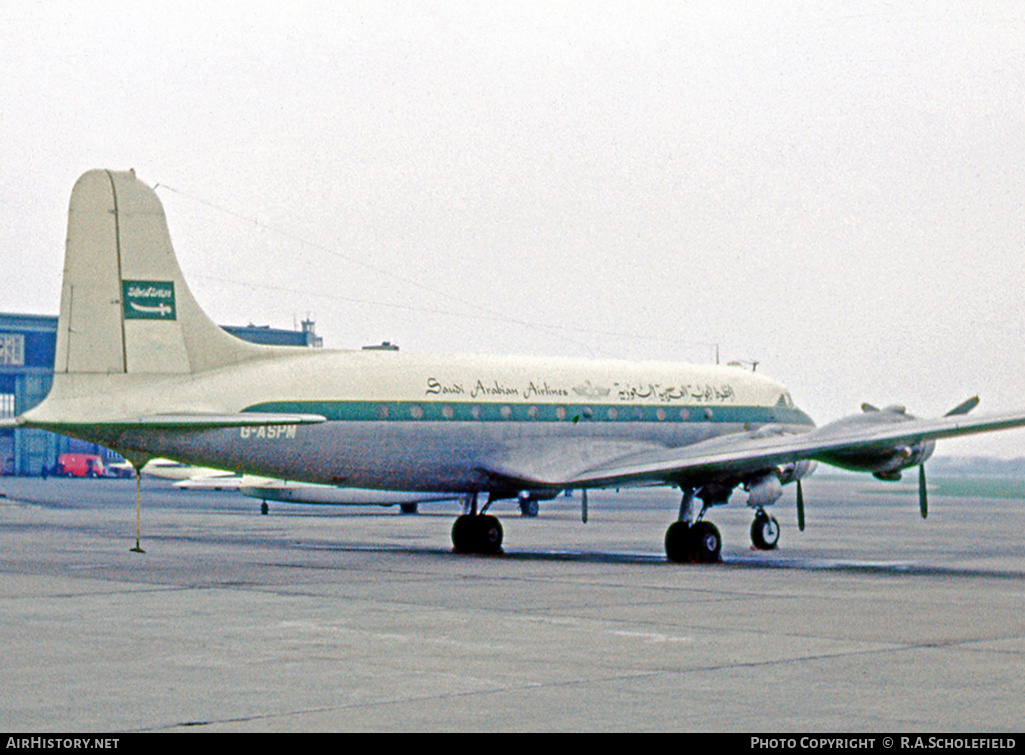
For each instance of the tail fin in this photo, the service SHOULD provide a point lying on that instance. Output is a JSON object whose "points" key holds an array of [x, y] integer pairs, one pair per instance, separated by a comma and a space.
{"points": [[125, 307]]}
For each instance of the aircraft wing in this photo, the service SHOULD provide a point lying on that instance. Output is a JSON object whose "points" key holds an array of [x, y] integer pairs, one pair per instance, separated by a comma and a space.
{"points": [[737, 454]]}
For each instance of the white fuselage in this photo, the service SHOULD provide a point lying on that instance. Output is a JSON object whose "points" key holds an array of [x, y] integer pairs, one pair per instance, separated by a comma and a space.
{"points": [[408, 422]]}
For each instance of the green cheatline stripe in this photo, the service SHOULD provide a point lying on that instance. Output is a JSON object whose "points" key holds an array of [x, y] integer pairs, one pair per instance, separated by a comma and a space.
{"points": [[439, 411]]}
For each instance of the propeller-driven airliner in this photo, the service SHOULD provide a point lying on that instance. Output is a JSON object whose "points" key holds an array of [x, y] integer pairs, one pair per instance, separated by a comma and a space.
{"points": [[142, 370]]}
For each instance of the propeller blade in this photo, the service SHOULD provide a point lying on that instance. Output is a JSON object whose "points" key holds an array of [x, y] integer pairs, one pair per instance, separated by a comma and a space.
{"points": [[800, 507], [964, 407], [923, 500]]}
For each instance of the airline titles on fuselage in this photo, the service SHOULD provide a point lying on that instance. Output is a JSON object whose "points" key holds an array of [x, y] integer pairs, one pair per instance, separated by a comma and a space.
{"points": [[624, 392]]}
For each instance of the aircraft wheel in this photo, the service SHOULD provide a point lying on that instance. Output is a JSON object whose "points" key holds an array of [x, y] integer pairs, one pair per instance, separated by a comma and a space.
{"points": [[678, 542], [264, 508], [409, 508], [706, 543], [529, 508], [765, 532], [462, 537], [489, 534], [477, 534]]}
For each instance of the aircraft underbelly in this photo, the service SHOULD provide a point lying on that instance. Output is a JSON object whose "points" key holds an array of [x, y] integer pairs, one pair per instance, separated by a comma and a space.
{"points": [[423, 456]]}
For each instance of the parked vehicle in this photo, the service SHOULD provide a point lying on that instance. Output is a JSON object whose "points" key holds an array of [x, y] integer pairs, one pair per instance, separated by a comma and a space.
{"points": [[80, 465]]}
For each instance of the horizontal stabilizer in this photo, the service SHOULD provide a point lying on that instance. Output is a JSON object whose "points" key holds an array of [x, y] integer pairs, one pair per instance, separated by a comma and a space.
{"points": [[243, 419], [193, 421]]}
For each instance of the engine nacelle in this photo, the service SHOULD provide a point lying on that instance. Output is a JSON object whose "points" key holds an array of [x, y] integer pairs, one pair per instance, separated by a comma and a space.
{"points": [[886, 464], [902, 458], [797, 470], [763, 491]]}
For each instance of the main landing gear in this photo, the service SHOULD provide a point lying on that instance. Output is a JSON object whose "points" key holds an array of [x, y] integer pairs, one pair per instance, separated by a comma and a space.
{"points": [[477, 533], [691, 540], [696, 542]]}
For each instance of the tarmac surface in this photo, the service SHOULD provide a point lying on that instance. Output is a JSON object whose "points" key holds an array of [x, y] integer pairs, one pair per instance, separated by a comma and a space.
{"points": [[333, 619]]}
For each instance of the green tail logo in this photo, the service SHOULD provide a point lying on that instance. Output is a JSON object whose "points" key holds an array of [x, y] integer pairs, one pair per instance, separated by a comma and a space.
{"points": [[148, 300]]}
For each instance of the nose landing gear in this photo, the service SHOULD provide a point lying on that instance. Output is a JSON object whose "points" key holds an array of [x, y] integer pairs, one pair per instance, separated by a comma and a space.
{"points": [[764, 531]]}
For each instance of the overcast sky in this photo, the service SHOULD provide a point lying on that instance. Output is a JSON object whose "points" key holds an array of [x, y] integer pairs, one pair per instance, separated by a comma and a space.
{"points": [[836, 190]]}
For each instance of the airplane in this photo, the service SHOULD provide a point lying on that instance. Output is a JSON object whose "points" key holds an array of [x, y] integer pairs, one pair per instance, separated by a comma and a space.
{"points": [[142, 370], [168, 469], [188, 477], [328, 495]]}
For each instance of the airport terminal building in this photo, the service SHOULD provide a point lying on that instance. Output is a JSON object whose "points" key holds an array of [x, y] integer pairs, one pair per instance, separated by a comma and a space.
{"points": [[27, 347]]}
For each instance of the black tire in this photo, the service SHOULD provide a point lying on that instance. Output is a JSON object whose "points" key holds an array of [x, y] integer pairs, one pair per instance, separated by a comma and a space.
{"points": [[477, 534], [264, 508], [705, 543], [678, 543], [409, 508], [765, 532], [529, 508], [488, 534], [462, 536]]}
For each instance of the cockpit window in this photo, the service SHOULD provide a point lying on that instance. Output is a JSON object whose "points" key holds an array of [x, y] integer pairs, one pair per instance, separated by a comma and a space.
{"points": [[785, 401]]}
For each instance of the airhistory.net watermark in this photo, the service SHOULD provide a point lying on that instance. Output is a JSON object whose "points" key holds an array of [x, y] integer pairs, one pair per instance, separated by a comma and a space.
{"points": [[62, 743]]}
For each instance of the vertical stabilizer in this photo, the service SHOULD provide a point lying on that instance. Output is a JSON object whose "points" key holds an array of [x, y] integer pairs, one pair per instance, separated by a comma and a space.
{"points": [[125, 307]]}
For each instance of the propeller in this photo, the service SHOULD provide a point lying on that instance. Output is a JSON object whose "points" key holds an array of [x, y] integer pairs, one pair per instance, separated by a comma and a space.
{"points": [[923, 500], [800, 506], [964, 407]]}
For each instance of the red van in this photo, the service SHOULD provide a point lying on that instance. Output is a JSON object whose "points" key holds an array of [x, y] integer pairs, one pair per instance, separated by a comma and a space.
{"points": [[80, 465]]}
